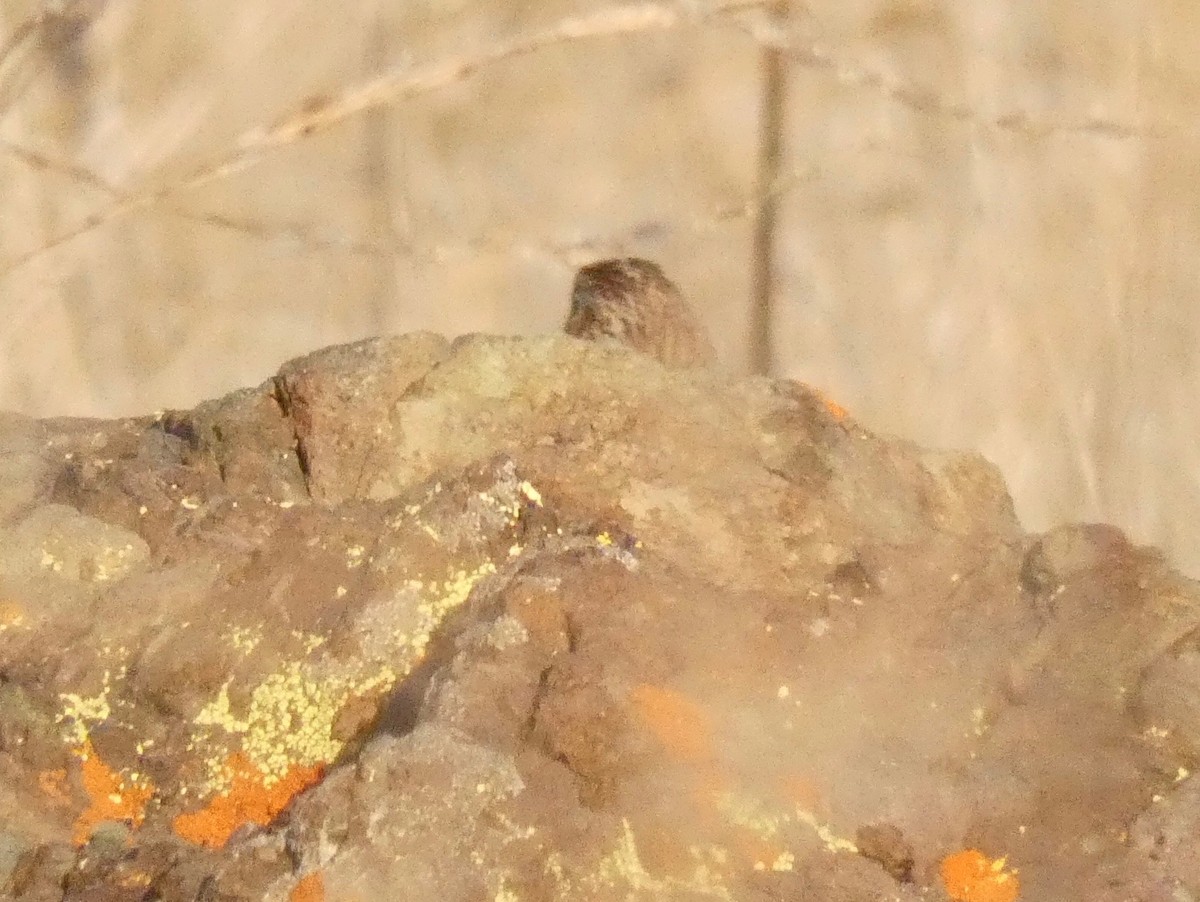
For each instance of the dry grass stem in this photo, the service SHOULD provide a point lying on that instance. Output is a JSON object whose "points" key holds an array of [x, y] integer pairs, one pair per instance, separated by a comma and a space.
{"points": [[769, 33], [320, 114], [770, 156]]}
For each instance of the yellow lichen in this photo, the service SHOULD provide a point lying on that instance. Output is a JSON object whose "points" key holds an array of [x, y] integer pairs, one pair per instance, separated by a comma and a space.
{"points": [[526, 488], [769, 827], [310, 641], [623, 868], [289, 719], [749, 814], [79, 712], [244, 638], [110, 562], [785, 862], [825, 833]]}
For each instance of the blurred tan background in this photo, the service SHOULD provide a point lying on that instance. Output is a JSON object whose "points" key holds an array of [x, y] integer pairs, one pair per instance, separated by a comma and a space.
{"points": [[989, 214]]}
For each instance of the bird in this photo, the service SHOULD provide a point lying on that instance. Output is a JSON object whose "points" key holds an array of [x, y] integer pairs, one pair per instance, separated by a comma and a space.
{"points": [[631, 300]]}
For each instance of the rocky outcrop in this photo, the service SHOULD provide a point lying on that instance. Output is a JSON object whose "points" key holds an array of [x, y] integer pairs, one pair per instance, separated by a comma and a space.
{"points": [[534, 619]]}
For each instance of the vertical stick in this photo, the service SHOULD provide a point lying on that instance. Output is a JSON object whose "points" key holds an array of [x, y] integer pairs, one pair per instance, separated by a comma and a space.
{"points": [[377, 179], [770, 147]]}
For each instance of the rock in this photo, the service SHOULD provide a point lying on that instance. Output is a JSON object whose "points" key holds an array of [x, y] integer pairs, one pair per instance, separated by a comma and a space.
{"points": [[341, 403], [58, 542], [540, 619], [25, 473]]}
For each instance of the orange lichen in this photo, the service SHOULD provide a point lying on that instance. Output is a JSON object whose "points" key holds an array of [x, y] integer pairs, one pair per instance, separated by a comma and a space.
{"points": [[970, 876], [311, 888], [680, 724], [110, 797], [836, 410], [250, 799]]}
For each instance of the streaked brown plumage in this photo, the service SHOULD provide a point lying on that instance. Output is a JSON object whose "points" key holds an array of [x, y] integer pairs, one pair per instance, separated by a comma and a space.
{"points": [[632, 300]]}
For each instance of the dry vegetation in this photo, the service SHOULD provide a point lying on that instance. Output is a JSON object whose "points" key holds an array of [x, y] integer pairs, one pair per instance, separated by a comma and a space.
{"points": [[982, 220]]}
